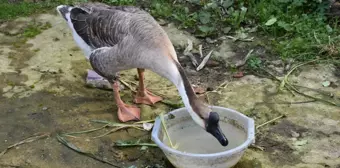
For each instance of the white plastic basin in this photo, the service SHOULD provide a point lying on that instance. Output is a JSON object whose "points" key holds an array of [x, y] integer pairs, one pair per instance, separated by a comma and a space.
{"points": [[203, 150]]}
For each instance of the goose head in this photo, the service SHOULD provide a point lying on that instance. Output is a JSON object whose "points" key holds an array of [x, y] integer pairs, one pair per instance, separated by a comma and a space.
{"points": [[212, 126], [208, 120]]}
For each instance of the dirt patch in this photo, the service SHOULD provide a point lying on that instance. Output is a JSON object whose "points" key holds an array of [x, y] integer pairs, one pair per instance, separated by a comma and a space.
{"points": [[249, 163], [12, 79], [20, 56], [209, 77], [279, 152], [288, 129]]}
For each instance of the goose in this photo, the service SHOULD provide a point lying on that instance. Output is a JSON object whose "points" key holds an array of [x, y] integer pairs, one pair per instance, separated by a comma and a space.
{"points": [[117, 38]]}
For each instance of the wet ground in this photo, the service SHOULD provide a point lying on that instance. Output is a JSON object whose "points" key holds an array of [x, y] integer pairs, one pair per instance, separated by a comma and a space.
{"points": [[42, 86]]}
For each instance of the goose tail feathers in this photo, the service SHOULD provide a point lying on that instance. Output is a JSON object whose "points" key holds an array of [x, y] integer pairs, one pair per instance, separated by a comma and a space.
{"points": [[63, 10]]}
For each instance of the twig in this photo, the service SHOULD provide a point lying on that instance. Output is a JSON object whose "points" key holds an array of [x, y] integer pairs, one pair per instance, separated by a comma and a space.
{"points": [[200, 50], [285, 79], [241, 63], [270, 121], [111, 131], [28, 140], [127, 85], [140, 144], [285, 83], [298, 102], [312, 97], [114, 124], [129, 144], [63, 141], [165, 130], [257, 147], [222, 85], [187, 52], [86, 131]]}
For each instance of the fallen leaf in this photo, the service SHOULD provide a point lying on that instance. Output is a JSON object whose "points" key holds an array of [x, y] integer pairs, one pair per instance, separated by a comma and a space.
{"points": [[238, 75], [205, 60], [226, 30]]}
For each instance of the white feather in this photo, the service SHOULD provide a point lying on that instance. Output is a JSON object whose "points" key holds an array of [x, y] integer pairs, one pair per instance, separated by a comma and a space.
{"points": [[175, 77]]}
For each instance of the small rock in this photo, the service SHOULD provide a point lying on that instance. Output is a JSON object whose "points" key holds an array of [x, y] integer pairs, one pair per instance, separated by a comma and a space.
{"points": [[44, 108], [295, 134], [211, 41], [147, 126], [144, 148], [212, 63], [277, 62], [56, 39], [162, 22]]}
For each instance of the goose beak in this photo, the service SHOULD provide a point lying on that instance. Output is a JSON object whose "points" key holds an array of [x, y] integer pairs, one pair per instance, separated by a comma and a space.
{"points": [[213, 127], [218, 134]]}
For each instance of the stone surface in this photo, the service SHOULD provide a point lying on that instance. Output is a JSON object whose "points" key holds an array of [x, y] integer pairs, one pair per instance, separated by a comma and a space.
{"points": [[42, 85]]}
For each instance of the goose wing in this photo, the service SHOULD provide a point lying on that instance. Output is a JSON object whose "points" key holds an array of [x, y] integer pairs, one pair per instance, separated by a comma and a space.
{"points": [[100, 25]]}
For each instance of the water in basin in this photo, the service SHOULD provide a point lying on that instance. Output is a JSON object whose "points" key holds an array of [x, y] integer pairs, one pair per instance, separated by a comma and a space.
{"points": [[191, 138]]}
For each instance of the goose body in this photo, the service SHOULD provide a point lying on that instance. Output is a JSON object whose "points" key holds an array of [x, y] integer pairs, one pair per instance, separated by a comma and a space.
{"points": [[116, 38]]}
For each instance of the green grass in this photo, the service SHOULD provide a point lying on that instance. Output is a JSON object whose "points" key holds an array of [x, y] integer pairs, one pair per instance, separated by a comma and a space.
{"points": [[13, 10], [290, 28]]}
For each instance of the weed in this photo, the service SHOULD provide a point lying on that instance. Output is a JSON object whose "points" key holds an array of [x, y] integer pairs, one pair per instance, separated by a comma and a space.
{"points": [[35, 28], [120, 2], [254, 62]]}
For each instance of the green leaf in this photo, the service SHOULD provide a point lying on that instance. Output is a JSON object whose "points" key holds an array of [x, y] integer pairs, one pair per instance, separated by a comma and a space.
{"points": [[204, 17], [329, 29], [205, 29], [271, 21], [285, 25], [226, 30]]}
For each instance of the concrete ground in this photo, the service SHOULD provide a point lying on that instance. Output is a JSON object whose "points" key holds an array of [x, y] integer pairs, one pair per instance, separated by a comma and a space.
{"points": [[43, 89]]}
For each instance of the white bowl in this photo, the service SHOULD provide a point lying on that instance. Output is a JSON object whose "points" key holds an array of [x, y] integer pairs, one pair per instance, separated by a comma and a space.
{"points": [[222, 159]]}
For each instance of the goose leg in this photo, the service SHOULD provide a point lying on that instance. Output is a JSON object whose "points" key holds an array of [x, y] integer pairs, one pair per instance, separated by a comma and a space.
{"points": [[125, 112], [144, 96]]}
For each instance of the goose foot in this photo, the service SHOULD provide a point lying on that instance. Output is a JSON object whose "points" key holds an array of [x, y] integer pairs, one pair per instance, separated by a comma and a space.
{"points": [[128, 113], [144, 96], [125, 112]]}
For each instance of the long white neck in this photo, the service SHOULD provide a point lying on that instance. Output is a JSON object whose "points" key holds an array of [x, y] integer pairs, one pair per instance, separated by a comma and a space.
{"points": [[171, 71], [185, 99]]}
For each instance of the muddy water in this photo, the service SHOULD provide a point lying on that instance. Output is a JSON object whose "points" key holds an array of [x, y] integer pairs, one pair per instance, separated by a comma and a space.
{"points": [[193, 139]]}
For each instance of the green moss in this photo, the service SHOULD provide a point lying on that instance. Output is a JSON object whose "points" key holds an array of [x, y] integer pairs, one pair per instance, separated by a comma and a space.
{"points": [[35, 28], [31, 31]]}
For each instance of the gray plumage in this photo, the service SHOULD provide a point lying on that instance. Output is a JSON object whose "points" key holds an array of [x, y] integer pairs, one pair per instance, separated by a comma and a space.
{"points": [[116, 38], [120, 37]]}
